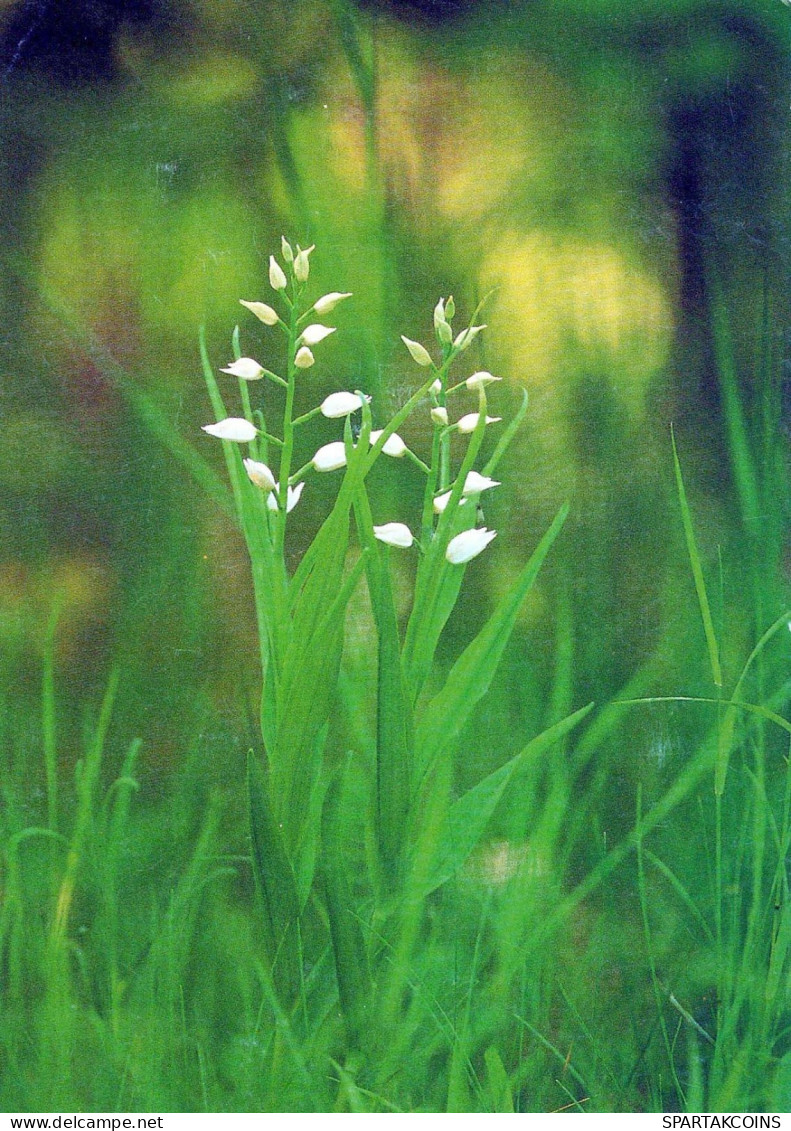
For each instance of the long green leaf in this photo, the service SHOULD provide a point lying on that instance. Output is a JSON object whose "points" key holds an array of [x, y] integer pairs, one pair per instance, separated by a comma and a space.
{"points": [[472, 674], [468, 817], [275, 882], [697, 571]]}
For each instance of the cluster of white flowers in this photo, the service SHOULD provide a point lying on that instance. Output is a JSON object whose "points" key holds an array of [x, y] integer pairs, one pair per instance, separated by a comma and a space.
{"points": [[284, 493]]}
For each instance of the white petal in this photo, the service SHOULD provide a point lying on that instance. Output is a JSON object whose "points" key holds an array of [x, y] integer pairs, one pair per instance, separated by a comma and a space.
{"points": [[245, 368], [475, 483], [328, 302], [259, 474], [260, 309], [330, 457], [277, 278], [233, 428], [441, 502], [337, 405], [468, 545], [394, 534], [479, 379], [302, 264], [304, 358], [292, 497], [419, 353], [469, 422], [440, 416], [436, 387], [463, 339], [393, 445], [286, 248], [315, 333]]}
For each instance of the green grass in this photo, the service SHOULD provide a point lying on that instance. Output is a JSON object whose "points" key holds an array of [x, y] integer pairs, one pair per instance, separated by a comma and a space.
{"points": [[576, 926]]}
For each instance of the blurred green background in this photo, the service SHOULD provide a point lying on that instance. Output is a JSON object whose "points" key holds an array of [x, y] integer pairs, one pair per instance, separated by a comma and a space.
{"points": [[616, 171]]}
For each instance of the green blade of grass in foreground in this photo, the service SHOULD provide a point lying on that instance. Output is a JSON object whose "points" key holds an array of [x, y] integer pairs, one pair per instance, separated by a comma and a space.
{"points": [[468, 817], [472, 674], [697, 571]]}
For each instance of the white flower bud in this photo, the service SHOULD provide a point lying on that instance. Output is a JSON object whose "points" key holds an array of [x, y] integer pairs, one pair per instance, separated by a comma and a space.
{"points": [[337, 405], [475, 483], [464, 339], [330, 457], [478, 380], [302, 264], [393, 445], [419, 353], [292, 497], [468, 545], [245, 368], [328, 302], [439, 415], [265, 313], [439, 313], [441, 502], [469, 422], [234, 428], [315, 333], [436, 387], [277, 278], [287, 250], [259, 474], [450, 308], [394, 534], [304, 358], [444, 333]]}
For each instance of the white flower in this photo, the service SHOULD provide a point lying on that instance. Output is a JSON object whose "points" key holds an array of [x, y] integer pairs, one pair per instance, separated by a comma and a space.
{"points": [[277, 278], [304, 358], [475, 483], [394, 534], [468, 423], [302, 265], [330, 457], [468, 545], [436, 387], [233, 428], [337, 405], [439, 313], [444, 332], [315, 333], [328, 302], [440, 416], [462, 340], [245, 368], [419, 353], [286, 248], [393, 445], [292, 497], [259, 474], [479, 379], [267, 314]]}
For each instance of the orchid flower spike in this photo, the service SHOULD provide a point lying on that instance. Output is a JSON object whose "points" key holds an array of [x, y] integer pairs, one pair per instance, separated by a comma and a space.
{"points": [[393, 445], [330, 457], [315, 333], [292, 497], [395, 534], [245, 368], [337, 405], [234, 428], [277, 277], [259, 474], [267, 314], [467, 545], [469, 422]]}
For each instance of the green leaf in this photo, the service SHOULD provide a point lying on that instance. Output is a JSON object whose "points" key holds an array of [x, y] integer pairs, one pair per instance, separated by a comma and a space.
{"points": [[499, 1084], [275, 882], [351, 959], [468, 817], [472, 674], [697, 571]]}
